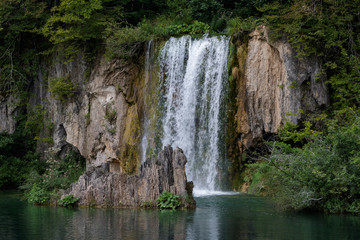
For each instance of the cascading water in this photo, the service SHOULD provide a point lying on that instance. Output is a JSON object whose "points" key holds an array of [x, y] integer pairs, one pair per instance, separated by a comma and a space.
{"points": [[193, 76], [146, 121]]}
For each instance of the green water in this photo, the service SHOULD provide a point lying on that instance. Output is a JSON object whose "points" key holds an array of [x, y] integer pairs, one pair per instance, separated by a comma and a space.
{"points": [[216, 217]]}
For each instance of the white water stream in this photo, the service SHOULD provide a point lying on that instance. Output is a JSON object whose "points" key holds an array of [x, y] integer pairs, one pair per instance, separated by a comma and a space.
{"points": [[194, 77]]}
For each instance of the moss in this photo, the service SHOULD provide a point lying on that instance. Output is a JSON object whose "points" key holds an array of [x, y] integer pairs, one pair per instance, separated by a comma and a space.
{"points": [[153, 103], [129, 156], [130, 160], [190, 201], [236, 68], [87, 119]]}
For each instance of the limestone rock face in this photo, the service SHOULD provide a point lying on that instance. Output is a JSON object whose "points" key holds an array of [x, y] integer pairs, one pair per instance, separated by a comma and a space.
{"points": [[99, 187], [102, 119], [272, 82], [8, 112]]}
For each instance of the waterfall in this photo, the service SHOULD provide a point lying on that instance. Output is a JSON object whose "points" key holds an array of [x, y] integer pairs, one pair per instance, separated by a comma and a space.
{"points": [[193, 83], [146, 119]]}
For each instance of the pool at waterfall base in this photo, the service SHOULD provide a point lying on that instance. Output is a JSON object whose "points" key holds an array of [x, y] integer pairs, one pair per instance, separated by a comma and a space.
{"points": [[235, 216]]}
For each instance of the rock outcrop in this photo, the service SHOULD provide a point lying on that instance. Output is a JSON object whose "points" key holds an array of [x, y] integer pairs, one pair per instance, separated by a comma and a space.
{"points": [[102, 119], [99, 187], [273, 83], [8, 112]]}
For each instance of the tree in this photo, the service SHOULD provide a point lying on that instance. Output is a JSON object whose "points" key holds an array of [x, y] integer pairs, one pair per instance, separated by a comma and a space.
{"points": [[74, 20], [18, 42]]}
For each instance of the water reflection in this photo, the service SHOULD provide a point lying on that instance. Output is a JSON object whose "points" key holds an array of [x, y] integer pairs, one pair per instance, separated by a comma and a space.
{"points": [[217, 217], [106, 224]]}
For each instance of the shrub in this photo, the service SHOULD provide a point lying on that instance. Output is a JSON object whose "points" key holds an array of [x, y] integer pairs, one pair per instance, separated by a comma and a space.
{"points": [[38, 195], [238, 24], [324, 174], [167, 200], [126, 42], [59, 174], [62, 88], [68, 201]]}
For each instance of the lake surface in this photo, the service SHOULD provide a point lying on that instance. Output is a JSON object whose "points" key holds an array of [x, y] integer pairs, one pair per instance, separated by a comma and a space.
{"points": [[216, 217]]}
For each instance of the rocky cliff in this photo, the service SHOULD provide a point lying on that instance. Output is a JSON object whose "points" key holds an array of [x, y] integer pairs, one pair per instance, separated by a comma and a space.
{"points": [[102, 115], [273, 84], [101, 119], [100, 187]]}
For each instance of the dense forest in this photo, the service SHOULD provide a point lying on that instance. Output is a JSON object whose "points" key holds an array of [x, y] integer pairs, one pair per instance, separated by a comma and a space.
{"points": [[315, 164]]}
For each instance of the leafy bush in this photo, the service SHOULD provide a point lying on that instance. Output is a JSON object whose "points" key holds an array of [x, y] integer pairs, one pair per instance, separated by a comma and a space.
{"points": [[68, 201], [59, 174], [195, 28], [62, 88], [125, 42], [38, 195], [324, 174], [167, 200], [238, 24], [73, 21]]}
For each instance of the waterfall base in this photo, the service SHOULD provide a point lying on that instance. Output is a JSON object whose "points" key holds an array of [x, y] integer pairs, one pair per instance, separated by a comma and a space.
{"points": [[205, 193]]}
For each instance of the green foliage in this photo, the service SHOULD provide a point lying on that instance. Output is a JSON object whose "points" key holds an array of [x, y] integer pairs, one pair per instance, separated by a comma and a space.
{"points": [[111, 130], [321, 175], [62, 88], [87, 119], [110, 114], [17, 159], [167, 200], [328, 29], [179, 11], [249, 8], [238, 24], [195, 28], [38, 195], [205, 11], [19, 44], [35, 119], [292, 132], [68, 201], [126, 42], [59, 174], [74, 20]]}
